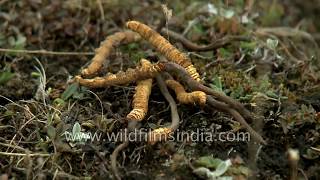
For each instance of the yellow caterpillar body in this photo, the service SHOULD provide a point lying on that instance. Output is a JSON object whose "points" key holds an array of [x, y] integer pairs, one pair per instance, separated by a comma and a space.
{"points": [[131, 75], [141, 96], [195, 97], [164, 47], [160, 134], [106, 48]]}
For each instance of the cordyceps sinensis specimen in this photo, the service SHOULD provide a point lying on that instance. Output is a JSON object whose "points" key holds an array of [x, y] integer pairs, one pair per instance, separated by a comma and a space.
{"points": [[195, 97], [164, 47], [180, 67], [106, 48], [141, 96], [120, 78]]}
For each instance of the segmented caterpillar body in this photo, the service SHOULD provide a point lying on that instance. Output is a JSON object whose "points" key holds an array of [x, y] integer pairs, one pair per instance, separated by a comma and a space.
{"points": [[141, 96], [131, 75], [164, 47], [106, 47], [195, 97], [160, 134]]}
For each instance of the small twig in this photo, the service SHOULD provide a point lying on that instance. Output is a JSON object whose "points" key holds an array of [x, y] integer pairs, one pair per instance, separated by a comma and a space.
{"points": [[315, 149], [288, 32], [3, 1], [303, 173], [284, 32], [12, 146], [196, 47], [131, 126], [223, 107], [114, 156], [45, 52], [23, 154], [101, 10], [162, 23]]}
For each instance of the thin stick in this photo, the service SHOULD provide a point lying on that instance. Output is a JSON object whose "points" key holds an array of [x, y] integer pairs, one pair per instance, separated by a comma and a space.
{"points": [[45, 52], [114, 156], [101, 10], [12, 146], [196, 47], [23, 154], [223, 107]]}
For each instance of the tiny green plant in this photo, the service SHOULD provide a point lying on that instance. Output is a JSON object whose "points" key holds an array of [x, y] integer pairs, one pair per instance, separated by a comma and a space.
{"points": [[220, 168], [76, 136], [6, 75]]}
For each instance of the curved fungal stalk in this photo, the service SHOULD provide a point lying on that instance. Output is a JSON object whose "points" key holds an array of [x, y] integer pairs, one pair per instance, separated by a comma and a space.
{"points": [[195, 97], [162, 134], [131, 75], [141, 96], [164, 47], [106, 48], [182, 75]]}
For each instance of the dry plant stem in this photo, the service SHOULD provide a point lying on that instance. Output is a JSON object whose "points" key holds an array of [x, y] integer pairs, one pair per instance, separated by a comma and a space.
{"points": [[24, 154], [114, 156], [258, 123], [284, 32], [141, 97], [194, 85], [106, 48], [164, 47], [162, 133], [129, 76], [195, 97], [288, 32], [196, 47], [45, 52], [224, 107]]}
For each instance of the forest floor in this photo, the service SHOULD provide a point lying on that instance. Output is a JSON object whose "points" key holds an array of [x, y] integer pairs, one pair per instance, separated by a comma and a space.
{"points": [[274, 73]]}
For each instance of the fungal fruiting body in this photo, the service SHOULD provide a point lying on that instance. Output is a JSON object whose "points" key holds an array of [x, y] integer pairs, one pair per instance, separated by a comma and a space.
{"points": [[131, 75], [106, 48], [195, 97], [141, 96], [160, 134], [164, 47]]}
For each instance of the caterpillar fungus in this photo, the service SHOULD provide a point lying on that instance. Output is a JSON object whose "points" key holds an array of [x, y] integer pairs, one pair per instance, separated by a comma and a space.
{"points": [[141, 96], [131, 75], [198, 97], [106, 47], [164, 47], [160, 134]]}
